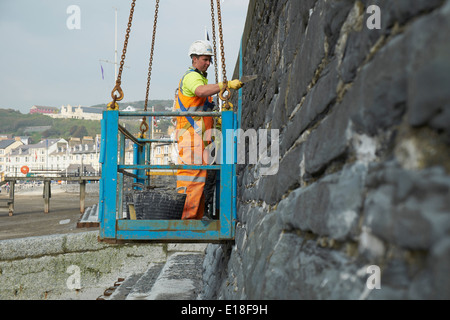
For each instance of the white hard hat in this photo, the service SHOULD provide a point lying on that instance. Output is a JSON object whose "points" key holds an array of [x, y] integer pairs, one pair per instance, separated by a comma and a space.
{"points": [[201, 48]]}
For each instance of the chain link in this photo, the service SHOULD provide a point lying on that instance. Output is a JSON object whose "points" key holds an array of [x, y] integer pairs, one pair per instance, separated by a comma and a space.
{"points": [[225, 88], [125, 45], [113, 105], [213, 21], [155, 21], [219, 18], [144, 126]]}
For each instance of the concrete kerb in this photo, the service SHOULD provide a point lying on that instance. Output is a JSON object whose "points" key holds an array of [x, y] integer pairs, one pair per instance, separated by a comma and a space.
{"points": [[69, 266]]}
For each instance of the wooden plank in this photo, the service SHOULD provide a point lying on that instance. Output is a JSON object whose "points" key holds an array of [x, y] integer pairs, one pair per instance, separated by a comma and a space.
{"points": [[88, 224], [12, 187], [47, 196], [82, 195], [8, 203]]}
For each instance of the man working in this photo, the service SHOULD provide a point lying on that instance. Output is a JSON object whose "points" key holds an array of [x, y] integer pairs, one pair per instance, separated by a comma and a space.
{"points": [[194, 94]]}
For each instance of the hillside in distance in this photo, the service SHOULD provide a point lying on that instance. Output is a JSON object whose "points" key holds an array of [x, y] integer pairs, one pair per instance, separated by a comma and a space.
{"points": [[38, 127]]}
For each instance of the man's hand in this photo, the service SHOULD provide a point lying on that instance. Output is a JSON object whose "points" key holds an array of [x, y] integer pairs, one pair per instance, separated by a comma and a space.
{"points": [[233, 84], [211, 89]]}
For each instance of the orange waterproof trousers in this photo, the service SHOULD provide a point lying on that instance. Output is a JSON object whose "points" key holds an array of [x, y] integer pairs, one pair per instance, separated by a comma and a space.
{"points": [[190, 149]]}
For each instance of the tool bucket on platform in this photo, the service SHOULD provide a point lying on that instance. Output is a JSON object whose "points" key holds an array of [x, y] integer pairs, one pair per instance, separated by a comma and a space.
{"points": [[154, 204]]}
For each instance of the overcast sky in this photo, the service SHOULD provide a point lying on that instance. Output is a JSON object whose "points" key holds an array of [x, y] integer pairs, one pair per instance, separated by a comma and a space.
{"points": [[43, 62]]}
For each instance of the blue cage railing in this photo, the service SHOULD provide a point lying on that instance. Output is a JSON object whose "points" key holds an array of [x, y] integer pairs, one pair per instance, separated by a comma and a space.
{"points": [[114, 228]]}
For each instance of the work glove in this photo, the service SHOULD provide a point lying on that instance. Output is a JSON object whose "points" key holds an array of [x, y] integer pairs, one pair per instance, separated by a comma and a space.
{"points": [[233, 84]]}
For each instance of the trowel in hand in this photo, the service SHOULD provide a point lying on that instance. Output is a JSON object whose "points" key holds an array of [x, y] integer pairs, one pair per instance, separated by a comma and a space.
{"points": [[246, 79]]}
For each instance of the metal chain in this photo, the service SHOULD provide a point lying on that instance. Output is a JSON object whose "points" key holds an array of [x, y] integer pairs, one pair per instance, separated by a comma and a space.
{"points": [[125, 45], [155, 21], [113, 105], [224, 72], [219, 18], [216, 66], [144, 126]]}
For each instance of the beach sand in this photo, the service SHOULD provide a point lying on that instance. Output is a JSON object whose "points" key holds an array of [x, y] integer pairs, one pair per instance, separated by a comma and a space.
{"points": [[29, 219]]}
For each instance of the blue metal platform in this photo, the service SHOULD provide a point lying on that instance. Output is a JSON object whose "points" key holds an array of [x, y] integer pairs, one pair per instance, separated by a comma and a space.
{"points": [[113, 227]]}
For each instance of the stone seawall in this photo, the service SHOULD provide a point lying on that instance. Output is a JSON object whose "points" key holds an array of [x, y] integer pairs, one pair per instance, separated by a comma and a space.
{"points": [[48, 267], [78, 267], [360, 205]]}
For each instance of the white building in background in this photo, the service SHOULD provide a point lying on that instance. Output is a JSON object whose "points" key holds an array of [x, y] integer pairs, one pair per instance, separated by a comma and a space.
{"points": [[55, 157], [129, 109], [84, 155], [78, 112], [36, 157], [5, 149], [59, 157]]}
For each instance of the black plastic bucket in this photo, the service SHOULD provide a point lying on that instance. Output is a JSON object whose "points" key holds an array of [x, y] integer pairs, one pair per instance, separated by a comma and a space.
{"points": [[158, 204]]}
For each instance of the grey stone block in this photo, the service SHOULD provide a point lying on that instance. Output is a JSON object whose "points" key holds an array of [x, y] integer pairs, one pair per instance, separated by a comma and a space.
{"points": [[330, 207], [300, 270], [429, 71], [270, 189], [401, 203], [316, 103], [328, 142], [309, 57]]}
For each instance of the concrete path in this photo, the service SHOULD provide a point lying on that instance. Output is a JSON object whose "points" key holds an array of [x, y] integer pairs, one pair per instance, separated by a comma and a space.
{"points": [[179, 278]]}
